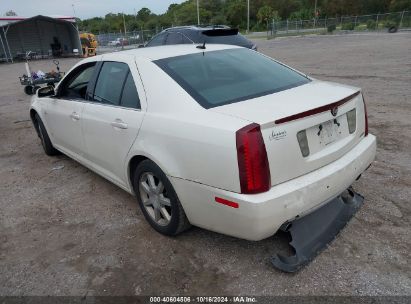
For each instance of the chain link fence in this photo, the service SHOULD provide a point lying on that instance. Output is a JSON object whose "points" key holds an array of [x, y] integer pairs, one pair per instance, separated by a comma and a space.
{"points": [[119, 40], [377, 22]]}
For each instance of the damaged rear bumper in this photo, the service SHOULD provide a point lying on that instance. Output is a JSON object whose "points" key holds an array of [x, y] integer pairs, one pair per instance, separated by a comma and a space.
{"points": [[259, 216], [313, 232]]}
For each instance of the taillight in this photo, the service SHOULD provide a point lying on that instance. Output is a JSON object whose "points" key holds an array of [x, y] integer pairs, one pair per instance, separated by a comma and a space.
{"points": [[365, 117], [252, 160]]}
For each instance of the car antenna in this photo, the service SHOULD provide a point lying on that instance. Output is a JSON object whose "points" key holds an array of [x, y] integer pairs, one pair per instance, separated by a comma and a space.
{"points": [[201, 47]]}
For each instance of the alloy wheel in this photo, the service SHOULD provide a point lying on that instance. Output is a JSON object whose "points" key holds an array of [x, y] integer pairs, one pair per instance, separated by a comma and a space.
{"points": [[153, 195]]}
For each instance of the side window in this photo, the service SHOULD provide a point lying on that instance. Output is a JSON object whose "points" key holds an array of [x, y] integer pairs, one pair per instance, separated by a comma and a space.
{"points": [[129, 98], [186, 40], [157, 40], [174, 38], [76, 84], [110, 83]]}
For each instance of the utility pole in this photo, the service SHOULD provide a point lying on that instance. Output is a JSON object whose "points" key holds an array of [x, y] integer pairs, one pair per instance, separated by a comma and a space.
{"points": [[248, 16], [315, 12], [124, 23], [125, 32], [75, 17], [198, 13]]}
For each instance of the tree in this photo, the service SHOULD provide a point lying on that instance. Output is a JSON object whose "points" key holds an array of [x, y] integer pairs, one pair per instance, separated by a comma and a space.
{"points": [[266, 14], [11, 13], [400, 5], [144, 14], [236, 12]]}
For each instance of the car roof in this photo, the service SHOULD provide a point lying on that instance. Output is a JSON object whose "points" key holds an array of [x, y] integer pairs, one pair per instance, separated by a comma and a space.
{"points": [[167, 51], [196, 27]]}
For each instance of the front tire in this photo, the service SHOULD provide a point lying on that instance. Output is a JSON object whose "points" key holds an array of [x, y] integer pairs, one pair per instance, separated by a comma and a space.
{"points": [[158, 200], [44, 137]]}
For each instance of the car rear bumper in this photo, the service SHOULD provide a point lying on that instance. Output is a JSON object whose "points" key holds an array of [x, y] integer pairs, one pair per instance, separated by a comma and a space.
{"points": [[261, 215]]}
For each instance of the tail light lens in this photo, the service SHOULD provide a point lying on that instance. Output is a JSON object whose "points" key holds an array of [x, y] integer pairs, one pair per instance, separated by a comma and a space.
{"points": [[365, 117], [252, 160]]}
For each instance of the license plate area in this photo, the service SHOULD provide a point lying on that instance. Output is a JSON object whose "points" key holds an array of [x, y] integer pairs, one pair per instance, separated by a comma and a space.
{"points": [[326, 133]]}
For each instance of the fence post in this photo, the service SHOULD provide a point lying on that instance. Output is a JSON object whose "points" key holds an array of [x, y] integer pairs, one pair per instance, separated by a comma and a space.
{"points": [[402, 16], [376, 23], [325, 22], [355, 21], [287, 26], [341, 21]]}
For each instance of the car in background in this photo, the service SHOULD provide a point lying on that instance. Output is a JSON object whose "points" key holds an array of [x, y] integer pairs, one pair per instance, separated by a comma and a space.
{"points": [[118, 42], [218, 34]]}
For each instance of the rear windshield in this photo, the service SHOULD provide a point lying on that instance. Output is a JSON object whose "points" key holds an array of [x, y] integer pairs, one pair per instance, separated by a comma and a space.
{"points": [[221, 77]]}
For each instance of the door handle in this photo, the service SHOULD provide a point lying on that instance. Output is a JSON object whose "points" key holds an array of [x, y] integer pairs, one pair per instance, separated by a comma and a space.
{"points": [[118, 123], [75, 116]]}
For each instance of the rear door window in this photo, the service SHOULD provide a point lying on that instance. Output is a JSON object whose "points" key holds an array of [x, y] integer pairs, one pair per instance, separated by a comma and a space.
{"points": [[110, 83], [129, 98]]}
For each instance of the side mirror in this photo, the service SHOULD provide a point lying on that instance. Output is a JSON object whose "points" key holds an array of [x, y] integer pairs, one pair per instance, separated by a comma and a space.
{"points": [[46, 91]]}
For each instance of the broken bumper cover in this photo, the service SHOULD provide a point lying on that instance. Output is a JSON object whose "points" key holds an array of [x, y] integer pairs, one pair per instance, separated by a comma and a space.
{"points": [[313, 232]]}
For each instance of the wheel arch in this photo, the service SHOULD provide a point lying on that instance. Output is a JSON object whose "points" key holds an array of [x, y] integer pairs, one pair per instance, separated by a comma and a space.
{"points": [[135, 160], [33, 113]]}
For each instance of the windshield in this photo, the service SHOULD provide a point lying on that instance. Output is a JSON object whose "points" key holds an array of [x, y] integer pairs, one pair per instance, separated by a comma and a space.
{"points": [[221, 77]]}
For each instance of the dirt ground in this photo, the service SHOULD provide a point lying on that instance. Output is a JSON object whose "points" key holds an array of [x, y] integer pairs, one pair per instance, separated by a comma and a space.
{"points": [[67, 231]]}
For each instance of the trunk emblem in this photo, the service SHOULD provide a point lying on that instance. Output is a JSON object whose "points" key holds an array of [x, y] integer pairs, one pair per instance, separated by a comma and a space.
{"points": [[334, 111]]}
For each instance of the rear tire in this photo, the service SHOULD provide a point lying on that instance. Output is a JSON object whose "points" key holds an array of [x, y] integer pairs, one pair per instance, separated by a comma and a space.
{"points": [[44, 137], [158, 200]]}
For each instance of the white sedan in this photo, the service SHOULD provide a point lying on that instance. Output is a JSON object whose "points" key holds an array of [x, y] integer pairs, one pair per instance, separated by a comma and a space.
{"points": [[220, 137]]}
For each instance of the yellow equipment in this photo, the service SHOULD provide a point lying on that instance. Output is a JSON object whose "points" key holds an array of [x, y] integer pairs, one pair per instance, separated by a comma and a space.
{"points": [[88, 44]]}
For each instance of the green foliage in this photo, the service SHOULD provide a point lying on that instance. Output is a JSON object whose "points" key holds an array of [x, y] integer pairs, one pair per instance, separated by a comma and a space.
{"points": [[371, 25], [234, 13], [331, 28], [390, 23], [400, 5], [302, 14], [348, 26]]}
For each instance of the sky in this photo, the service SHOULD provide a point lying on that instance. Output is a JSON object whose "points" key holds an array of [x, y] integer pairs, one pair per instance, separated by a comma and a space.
{"points": [[84, 8]]}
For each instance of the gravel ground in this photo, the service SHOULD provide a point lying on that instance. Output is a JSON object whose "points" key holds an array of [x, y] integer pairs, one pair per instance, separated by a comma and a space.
{"points": [[68, 231]]}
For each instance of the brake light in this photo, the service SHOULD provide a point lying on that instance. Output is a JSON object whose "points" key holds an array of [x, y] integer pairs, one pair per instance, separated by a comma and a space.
{"points": [[253, 165], [365, 117]]}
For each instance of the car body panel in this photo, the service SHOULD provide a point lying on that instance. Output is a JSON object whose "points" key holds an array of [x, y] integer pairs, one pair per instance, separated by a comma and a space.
{"points": [[196, 147], [260, 215]]}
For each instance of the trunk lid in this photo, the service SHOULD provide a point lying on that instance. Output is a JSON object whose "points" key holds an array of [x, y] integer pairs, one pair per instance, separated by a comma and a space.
{"points": [[296, 121]]}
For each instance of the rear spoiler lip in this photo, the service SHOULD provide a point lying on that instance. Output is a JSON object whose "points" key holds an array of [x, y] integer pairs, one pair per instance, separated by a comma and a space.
{"points": [[220, 32], [316, 110]]}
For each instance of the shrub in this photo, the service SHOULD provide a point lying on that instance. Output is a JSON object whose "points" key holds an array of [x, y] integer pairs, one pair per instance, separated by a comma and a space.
{"points": [[390, 23], [331, 28], [348, 26], [371, 24]]}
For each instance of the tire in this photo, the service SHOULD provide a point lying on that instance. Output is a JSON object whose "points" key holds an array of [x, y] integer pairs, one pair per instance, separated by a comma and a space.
{"points": [[160, 205], [44, 137], [35, 89], [28, 90]]}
